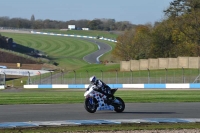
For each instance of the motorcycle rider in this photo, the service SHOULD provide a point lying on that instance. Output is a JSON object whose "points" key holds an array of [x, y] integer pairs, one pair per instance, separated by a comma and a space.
{"points": [[102, 87]]}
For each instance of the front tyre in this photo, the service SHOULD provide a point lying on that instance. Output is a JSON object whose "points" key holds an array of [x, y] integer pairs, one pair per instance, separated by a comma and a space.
{"points": [[119, 105], [90, 105]]}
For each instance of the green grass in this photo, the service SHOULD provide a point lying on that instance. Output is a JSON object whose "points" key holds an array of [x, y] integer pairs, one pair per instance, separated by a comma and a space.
{"points": [[99, 67], [58, 96], [68, 52], [105, 128], [106, 57]]}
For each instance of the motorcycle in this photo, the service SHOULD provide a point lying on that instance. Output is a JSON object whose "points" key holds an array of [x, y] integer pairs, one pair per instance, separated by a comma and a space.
{"points": [[95, 100]]}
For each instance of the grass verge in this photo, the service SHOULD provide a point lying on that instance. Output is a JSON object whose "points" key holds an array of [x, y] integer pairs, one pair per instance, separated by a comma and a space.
{"points": [[105, 128], [68, 52], [60, 96]]}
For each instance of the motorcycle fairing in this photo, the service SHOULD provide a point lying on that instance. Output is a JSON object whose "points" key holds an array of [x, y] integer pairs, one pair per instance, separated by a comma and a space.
{"points": [[101, 101]]}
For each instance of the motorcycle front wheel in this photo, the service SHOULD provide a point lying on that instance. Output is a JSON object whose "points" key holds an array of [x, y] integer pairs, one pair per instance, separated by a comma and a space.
{"points": [[119, 106], [91, 105]]}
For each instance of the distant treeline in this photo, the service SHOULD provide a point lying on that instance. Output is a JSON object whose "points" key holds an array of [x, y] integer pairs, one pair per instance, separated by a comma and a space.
{"points": [[96, 24]]}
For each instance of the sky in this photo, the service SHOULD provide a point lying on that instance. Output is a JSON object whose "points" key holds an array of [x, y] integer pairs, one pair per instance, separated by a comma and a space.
{"points": [[134, 11]]}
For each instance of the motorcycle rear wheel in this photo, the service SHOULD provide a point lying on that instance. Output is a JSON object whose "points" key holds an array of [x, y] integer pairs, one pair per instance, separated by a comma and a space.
{"points": [[91, 108], [119, 107]]}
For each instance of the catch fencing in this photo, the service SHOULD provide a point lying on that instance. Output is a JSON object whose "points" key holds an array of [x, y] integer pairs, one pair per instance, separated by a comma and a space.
{"points": [[113, 77], [117, 77]]}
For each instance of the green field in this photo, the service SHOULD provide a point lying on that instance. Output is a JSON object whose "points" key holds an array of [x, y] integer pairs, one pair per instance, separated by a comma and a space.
{"points": [[124, 128], [58, 96], [68, 52]]}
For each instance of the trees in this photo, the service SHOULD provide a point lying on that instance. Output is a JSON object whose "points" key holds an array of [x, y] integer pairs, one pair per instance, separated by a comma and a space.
{"points": [[142, 41], [187, 24], [177, 35], [32, 21], [134, 44], [124, 46], [108, 24], [96, 24], [32, 18]]}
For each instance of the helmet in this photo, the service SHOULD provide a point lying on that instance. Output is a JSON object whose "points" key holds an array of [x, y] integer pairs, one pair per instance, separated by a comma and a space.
{"points": [[92, 79]]}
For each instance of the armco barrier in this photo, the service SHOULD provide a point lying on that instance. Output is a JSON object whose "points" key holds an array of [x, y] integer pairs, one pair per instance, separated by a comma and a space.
{"points": [[68, 35], [120, 86]]}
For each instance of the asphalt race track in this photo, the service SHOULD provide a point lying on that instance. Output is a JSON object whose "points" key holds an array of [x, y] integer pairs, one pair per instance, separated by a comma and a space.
{"points": [[58, 112], [103, 48]]}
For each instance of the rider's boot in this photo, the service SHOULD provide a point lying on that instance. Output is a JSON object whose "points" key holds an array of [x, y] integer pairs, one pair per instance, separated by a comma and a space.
{"points": [[110, 98]]}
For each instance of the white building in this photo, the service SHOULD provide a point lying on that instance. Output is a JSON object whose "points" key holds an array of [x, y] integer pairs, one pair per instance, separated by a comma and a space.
{"points": [[85, 29], [71, 27]]}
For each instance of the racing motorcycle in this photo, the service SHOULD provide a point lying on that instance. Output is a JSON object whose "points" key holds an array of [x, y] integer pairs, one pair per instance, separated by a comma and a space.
{"points": [[96, 100]]}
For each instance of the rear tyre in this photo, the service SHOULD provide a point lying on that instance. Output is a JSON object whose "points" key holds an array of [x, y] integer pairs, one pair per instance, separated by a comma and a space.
{"points": [[119, 106], [91, 107]]}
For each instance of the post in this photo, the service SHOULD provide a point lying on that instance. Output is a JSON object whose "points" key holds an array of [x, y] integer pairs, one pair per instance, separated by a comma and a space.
{"points": [[165, 75], [116, 77], [87, 73], [40, 77], [74, 76], [4, 80], [28, 78], [148, 75], [61, 76], [101, 74], [183, 74], [51, 76], [131, 76]]}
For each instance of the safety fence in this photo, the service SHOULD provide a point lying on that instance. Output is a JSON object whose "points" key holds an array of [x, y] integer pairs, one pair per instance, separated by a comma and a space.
{"points": [[117, 77], [113, 77]]}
